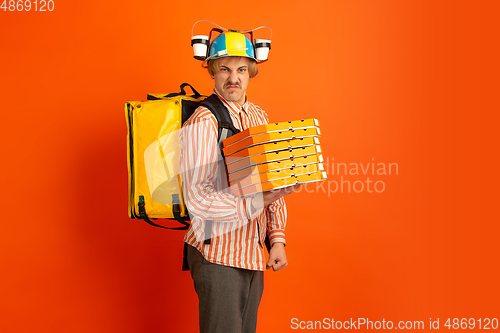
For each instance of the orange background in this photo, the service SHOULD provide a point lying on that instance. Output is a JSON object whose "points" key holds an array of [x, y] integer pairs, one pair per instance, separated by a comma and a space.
{"points": [[406, 82]]}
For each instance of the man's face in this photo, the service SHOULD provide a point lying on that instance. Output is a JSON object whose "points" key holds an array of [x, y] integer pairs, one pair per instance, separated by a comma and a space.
{"points": [[231, 79]]}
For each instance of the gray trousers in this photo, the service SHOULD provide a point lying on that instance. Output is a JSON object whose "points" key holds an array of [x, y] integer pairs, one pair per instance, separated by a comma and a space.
{"points": [[228, 297]]}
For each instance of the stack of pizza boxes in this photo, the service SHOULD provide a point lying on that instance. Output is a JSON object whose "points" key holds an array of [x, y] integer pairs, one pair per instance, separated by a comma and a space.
{"points": [[274, 156]]}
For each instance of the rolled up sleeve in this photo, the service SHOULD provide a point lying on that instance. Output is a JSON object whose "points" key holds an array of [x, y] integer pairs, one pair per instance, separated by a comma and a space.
{"points": [[276, 219]]}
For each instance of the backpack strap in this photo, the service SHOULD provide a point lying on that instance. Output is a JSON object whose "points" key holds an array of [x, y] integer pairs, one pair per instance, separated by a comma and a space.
{"points": [[225, 130], [152, 97], [221, 113], [176, 209]]}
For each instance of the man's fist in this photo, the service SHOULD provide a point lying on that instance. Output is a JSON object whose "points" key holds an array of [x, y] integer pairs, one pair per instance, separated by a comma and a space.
{"points": [[277, 257]]}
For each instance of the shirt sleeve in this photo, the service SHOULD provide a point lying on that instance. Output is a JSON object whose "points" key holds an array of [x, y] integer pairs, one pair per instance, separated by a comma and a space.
{"points": [[276, 219], [200, 164], [276, 214]]}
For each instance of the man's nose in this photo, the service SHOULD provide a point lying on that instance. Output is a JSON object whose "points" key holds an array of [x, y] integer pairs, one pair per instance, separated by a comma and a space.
{"points": [[233, 77]]}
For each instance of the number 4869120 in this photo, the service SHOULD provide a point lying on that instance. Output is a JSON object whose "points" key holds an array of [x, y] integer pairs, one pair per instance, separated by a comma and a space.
{"points": [[27, 5]]}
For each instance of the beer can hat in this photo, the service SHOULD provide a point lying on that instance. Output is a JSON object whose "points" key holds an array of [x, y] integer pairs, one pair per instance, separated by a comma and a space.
{"points": [[231, 44]]}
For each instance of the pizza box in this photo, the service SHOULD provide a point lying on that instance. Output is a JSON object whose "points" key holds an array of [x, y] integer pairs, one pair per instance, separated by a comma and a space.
{"points": [[235, 164], [274, 146], [271, 127], [279, 183], [270, 137], [277, 174], [274, 166]]}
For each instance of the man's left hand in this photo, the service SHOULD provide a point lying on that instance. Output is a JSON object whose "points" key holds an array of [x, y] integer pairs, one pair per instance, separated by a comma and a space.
{"points": [[277, 257]]}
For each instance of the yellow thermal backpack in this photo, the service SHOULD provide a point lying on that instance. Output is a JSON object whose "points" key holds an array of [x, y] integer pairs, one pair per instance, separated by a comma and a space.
{"points": [[153, 152]]}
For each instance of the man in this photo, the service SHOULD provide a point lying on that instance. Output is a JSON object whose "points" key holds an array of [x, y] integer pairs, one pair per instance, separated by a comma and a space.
{"points": [[227, 270]]}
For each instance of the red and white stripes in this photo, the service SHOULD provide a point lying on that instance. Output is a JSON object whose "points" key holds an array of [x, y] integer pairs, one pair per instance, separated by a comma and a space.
{"points": [[237, 237]]}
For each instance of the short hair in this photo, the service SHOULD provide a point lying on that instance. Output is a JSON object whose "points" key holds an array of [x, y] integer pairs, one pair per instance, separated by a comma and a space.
{"points": [[252, 67]]}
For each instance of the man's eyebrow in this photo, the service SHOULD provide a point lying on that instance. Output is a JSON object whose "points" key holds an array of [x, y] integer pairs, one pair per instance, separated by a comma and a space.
{"points": [[224, 66]]}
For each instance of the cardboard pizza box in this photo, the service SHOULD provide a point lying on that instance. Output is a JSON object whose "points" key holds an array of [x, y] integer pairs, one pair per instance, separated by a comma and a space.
{"points": [[270, 137], [279, 183], [277, 174], [273, 146], [274, 166], [271, 127], [235, 164]]}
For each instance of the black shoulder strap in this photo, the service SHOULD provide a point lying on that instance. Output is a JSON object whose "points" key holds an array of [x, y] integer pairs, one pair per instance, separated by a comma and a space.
{"points": [[181, 93], [225, 130], [221, 113]]}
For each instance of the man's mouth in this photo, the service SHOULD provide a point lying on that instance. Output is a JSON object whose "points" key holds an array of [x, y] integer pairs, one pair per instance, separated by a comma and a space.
{"points": [[232, 86]]}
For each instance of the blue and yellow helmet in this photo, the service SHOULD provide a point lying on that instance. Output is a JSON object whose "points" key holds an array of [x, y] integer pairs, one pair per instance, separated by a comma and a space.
{"points": [[231, 44]]}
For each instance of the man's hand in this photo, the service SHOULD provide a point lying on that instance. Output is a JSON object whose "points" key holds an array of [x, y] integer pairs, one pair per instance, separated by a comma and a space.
{"points": [[277, 257], [261, 200]]}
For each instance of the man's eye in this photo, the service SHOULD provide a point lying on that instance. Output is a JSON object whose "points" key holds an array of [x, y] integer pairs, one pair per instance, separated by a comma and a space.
{"points": [[223, 69], [242, 70]]}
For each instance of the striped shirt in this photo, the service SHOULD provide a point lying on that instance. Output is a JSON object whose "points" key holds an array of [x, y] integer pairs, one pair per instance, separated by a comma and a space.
{"points": [[237, 234]]}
